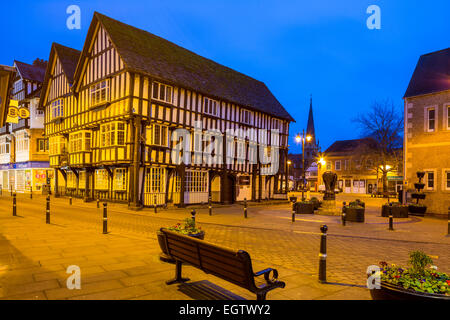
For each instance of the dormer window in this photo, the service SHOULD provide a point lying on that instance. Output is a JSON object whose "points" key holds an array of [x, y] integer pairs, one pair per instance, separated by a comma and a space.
{"points": [[246, 116], [99, 93], [57, 109], [211, 107], [162, 92]]}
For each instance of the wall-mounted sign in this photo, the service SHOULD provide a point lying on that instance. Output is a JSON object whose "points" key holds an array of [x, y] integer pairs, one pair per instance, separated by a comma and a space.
{"points": [[24, 112], [13, 112]]}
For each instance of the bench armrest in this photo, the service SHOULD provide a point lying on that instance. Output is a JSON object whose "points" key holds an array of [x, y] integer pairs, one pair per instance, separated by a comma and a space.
{"points": [[266, 273]]}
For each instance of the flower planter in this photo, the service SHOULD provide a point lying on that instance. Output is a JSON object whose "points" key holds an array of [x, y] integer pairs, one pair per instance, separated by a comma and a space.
{"points": [[354, 214], [392, 292], [316, 203], [164, 255], [417, 210], [420, 196], [304, 208], [397, 211]]}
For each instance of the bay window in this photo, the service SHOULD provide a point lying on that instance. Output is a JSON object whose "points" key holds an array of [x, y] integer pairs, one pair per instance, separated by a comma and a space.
{"points": [[120, 179], [80, 141], [57, 109], [211, 107], [57, 145], [99, 93], [112, 134]]}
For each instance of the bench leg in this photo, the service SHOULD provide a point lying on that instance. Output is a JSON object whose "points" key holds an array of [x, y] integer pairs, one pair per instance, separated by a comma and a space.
{"points": [[261, 296], [178, 277]]}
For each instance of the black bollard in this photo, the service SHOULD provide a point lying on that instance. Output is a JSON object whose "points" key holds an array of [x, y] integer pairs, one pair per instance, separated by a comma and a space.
{"points": [[210, 206], [391, 218], [344, 215], [98, 202], [105, 218], [155, 206], [47, 211], [70, 200], [31, 192], [10, 190], [193, 213], [14, 205], [293, 210], [323, 255], [245, 208]]}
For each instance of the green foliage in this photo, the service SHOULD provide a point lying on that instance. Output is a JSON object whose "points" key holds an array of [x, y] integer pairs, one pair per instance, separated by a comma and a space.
{"points": [[419, 261], [188, 228], [419, 277]]}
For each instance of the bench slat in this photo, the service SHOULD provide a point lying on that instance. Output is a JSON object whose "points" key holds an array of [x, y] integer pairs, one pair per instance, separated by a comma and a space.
{"points": [[229, 276], [181, 255], [216, 266], [233, 261]]}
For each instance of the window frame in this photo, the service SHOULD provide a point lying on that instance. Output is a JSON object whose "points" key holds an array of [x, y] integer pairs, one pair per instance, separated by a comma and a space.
{"points": [[207, 107], [111, 132], [97, 88], [446, 118], [57, 109], [158, 95], [335, 165], [249, 118], [163, 135], [38, 144], [426, 180], [427, 118], [82, 142], [445, 179]]}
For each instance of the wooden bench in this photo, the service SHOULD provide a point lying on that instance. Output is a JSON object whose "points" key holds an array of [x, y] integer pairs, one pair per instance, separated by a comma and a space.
{"points": [[229, 265]]}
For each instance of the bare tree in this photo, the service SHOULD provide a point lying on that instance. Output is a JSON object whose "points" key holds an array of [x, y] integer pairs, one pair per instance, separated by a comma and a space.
{"points": [[384, 124]]}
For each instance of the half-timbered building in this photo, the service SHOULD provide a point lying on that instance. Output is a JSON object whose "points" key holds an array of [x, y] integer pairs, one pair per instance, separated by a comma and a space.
{"points": [[110, 128], [24, 162]]}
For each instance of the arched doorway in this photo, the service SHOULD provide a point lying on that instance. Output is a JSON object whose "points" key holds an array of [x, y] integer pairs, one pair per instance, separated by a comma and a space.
{"points": [[229, 192]]}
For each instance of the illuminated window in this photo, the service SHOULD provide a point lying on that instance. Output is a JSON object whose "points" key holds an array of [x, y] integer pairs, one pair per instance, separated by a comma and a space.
{"points": [[57, 109], [157, 135], [120, 179], [99, 93], [112, 134], [155, 181], [57, 145], [80, 141], [196, 181], [447, 179], [101, 179]]}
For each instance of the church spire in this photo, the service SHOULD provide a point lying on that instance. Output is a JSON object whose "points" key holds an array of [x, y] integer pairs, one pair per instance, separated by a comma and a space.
{"points": [[310, 126]]}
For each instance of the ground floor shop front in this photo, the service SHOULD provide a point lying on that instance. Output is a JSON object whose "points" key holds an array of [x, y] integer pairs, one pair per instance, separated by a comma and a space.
{"points": [[32, 176], [162, 185], [368, 184]]}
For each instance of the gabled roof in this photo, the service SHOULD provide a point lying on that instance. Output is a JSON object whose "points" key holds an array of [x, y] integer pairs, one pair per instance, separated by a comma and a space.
{"points": [[432, 74], [69, 59], [148, 54], [32, 72], [350, 146]]}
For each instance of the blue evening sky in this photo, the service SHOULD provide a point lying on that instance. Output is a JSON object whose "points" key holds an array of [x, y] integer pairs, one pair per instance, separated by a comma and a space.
{"points": [[297, 48]]}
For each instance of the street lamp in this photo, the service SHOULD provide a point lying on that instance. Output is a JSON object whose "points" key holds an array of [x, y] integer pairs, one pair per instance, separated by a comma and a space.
{"points": [[302, 137]]}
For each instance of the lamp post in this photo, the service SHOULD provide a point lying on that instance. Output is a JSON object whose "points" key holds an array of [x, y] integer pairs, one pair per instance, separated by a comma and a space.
{"points": [[289, 162], [301, 138]]}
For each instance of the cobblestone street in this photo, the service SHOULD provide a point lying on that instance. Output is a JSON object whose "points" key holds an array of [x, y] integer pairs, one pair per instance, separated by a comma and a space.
{"points": [[32, 251]]}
